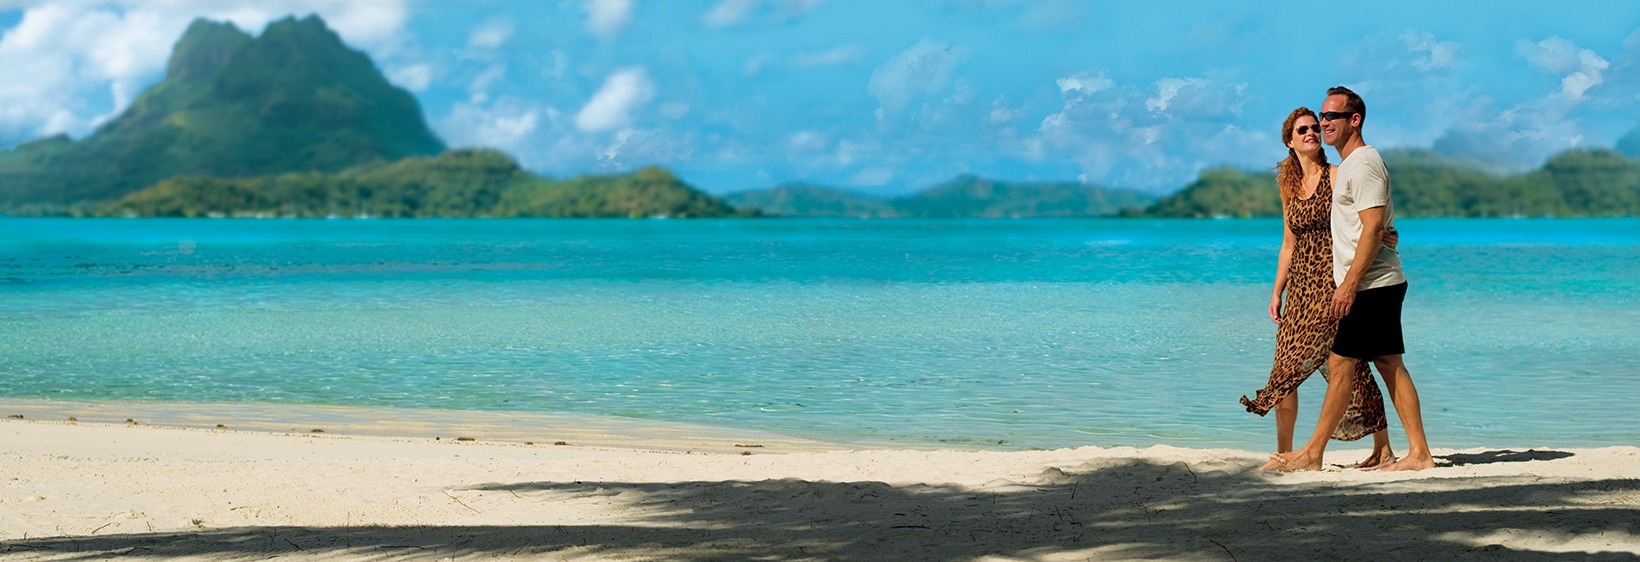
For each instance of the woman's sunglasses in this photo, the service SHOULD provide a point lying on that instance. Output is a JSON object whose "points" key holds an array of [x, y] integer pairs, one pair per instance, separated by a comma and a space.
{"points": [[1305, 129]]}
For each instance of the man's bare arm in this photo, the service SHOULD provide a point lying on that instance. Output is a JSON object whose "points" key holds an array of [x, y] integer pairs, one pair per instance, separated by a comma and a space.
{"points": [[1366, 250]]}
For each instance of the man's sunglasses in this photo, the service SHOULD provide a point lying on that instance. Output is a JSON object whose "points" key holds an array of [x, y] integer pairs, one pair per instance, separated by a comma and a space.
{"points": [[1305, 129], [1331, 115]]}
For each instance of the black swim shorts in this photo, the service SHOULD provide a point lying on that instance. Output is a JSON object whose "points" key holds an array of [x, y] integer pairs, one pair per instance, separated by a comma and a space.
{"points": [[1372, 329]]}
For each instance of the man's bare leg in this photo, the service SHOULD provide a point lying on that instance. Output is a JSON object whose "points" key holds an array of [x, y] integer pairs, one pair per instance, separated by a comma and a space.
{"points": [[1405, 396], [1333, 407]]}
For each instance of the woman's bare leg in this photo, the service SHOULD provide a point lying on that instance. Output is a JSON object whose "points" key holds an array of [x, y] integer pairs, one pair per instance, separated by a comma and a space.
{"points": [[1286, 418]]}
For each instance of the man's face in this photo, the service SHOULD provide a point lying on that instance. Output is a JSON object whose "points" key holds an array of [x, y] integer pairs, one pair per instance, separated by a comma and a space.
{"points": [[1335, 131]]}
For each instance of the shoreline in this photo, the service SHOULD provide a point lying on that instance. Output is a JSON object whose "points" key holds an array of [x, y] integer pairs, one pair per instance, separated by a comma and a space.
{"points": [[409, 423], [89, 489]]}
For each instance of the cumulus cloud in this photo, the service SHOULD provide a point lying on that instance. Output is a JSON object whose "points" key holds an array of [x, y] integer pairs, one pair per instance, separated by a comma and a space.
{"points": [[1514, 139], [607, 18], [415, 77], [83, 65], [1430, 54], [491, 34], [1580, 69], [1413, 78], [1199, 97], [925, 68], [1084, 83], [624, 92], [1523, 135], [1002, 113], [1149, 136], [506, 124]]}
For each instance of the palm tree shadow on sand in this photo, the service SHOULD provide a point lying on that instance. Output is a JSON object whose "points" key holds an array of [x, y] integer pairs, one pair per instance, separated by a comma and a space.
{"points": [[1506, 455], [1104, 509]]}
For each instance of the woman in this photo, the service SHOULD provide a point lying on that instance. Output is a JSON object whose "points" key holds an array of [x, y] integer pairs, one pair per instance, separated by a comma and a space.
{"points": [[1305, 330]]}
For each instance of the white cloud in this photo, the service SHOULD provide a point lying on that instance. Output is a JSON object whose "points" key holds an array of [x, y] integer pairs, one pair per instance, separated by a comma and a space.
{"points": [[729, 12], [1001, 112], [607, 18], [554, 64], [848, 151], [806, 141], [479, 88], [1168, 88], [1581, 69], [506, 124], [1431, 54], [1514, 139], [924, 68], [491, 34], [1084, 83], [631, 148], [624, 92], [1197, 96], [1145, 138], [415, 77]]}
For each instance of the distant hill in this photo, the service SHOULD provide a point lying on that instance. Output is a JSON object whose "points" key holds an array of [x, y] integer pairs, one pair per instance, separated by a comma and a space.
{"points": [[962, 196], [1579, 182], [1222, 192], [805, 200], [458, 183], [295, 99], [1629, 145]]}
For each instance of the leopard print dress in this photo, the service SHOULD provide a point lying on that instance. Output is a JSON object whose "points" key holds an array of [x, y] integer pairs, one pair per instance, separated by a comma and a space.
{"points": [[1304, 337]]}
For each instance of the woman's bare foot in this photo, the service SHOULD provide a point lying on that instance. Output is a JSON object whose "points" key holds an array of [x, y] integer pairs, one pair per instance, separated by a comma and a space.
{"points": [[1410, 463], [1379, 459], [1290, 462]]}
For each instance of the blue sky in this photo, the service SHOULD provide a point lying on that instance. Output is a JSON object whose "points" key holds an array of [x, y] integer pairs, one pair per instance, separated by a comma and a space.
{"points": [[893, 96]]}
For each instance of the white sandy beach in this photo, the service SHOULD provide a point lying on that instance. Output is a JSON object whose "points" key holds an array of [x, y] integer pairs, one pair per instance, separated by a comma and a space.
{"points": [[79, 490]]}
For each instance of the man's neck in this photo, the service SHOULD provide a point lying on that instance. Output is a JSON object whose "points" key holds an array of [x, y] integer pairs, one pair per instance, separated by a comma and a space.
{"points": [[1350, 146]]}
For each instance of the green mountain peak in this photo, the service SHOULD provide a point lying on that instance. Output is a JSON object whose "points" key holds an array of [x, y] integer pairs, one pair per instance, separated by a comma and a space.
{"points": [[295, 99], [204, 49]]}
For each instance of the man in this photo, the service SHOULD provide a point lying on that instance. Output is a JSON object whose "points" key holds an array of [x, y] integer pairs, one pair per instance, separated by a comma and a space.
{"points": [[1371, 288]]}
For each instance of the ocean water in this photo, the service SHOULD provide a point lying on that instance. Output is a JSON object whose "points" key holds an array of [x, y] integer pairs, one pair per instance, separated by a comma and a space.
{"points": [[966, 333]]}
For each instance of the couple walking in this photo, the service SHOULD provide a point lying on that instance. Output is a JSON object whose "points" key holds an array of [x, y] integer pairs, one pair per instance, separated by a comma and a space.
{"points": [[1343, 288]]}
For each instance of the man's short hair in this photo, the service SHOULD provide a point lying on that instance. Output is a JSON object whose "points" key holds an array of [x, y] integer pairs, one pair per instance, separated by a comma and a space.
{"points": [[1352, 103]]}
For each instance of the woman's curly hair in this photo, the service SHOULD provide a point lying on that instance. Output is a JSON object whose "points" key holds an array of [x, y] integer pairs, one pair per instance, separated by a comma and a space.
{"points": [[1289, 175]]}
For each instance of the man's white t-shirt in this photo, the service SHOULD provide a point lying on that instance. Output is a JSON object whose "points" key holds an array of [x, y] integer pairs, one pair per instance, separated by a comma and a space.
{"points": [[1363, 183]]}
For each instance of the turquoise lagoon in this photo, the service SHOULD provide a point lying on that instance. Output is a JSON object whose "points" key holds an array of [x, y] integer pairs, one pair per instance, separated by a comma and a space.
{"points": [[966, 333]]}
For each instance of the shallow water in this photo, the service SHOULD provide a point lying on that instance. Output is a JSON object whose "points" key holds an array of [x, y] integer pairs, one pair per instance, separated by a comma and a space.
{"points": [[984, 333]]}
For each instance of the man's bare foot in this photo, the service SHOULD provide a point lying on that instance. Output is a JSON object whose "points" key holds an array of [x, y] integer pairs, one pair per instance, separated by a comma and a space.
{"points": [[1290, 462], [1379, 459], [1409, 463]]}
